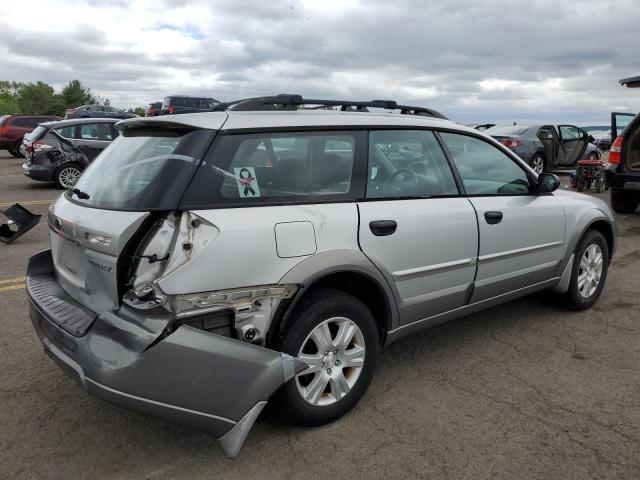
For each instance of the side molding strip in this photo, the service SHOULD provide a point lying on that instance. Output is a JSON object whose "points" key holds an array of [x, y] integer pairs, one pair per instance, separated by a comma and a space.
{"points": [[233, 440], [433, 268], [519, 251]]}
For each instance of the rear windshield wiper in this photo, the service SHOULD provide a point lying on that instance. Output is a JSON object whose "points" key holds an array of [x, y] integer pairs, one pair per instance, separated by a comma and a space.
{"points": [[81, 195]]}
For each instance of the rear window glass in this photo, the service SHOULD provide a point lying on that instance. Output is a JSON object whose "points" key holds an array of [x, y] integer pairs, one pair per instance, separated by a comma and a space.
{"points": [[510, 130], [96, 131], [37, 134], [149, 171], [257, 168], [3, 119]]}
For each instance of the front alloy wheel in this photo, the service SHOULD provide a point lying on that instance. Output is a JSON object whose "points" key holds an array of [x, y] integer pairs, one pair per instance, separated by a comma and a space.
{"points": [[335, 352], [590, 270]]}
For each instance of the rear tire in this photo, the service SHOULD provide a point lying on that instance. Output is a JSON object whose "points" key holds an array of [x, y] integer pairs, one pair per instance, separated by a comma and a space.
{"points": [[589, 272], [343, 369], [621, 203], [581, 185], [16, 150], [538, 163], [67, 175]]}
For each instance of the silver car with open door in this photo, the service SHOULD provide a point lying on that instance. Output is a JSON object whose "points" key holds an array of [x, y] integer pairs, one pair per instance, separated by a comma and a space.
{"points": [[207, 264]]}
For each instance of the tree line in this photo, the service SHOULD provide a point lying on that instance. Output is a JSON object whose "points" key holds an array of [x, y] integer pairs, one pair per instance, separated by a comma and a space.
{"points": [[40, 98]]}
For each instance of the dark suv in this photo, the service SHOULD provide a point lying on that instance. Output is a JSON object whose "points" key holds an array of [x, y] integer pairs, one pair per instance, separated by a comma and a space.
{"points": [[182, 104], [14, 127], [623, 173]]}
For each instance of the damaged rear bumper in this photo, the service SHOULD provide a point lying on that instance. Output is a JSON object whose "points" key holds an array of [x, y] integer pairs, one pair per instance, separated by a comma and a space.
{"points": [[191, 376]]}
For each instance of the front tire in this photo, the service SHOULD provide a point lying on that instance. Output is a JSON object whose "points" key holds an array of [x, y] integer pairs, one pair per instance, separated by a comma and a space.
{"points": [[67, 175], [589, 273], [336, 334], [621, 203]]}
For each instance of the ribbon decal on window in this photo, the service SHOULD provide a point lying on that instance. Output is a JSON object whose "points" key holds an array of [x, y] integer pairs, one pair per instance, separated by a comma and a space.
{"points": [[247, 182]]}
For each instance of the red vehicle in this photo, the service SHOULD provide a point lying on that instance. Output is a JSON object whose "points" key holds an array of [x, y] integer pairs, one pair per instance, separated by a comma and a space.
{"points": [[153, 110], [14, 127]]}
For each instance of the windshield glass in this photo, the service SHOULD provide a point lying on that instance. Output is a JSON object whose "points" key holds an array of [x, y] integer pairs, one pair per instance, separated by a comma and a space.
{"points": [[510, 130], [147, 171]]}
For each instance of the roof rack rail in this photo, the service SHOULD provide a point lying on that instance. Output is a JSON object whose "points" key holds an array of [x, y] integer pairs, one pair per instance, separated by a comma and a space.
{"points": [[294, 102]]}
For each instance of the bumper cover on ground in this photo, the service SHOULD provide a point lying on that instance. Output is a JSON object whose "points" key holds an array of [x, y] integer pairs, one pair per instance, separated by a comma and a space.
{"points": [[191, 376]]}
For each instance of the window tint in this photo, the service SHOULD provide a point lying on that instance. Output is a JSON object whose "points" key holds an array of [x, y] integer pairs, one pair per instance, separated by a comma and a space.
{"points": [[95, 108], [289, 165], [67, 132], [407, 163], [22, 122], [483, 168], [96, 131]]}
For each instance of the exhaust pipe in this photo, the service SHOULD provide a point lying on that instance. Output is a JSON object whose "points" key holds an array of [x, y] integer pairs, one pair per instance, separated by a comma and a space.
{"points": [[20, 221]]}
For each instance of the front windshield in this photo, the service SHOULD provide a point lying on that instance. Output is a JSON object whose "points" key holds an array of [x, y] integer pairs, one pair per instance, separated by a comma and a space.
{"points": [[143, 172]]}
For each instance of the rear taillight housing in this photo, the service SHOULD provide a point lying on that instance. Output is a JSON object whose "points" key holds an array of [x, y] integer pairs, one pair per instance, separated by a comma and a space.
{"points": [[4, 130], [39, 147], [511, 143], [616, 150]]}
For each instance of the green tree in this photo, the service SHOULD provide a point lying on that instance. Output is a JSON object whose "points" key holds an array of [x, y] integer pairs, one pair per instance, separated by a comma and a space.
{"points": [[37, 98], [9, 97], [76, 94]]}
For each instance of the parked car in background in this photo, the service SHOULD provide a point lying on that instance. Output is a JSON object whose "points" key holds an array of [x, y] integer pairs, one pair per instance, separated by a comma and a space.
{"points": [[153, 110], [59, 151], [197, 280], [602, 140], [623, 172], [481, 127], [97, 111], [13, 128], [176, 104], [545, 147]]}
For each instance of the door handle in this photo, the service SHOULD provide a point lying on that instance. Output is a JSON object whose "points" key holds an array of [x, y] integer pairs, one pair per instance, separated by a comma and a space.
{"points": [[493, 217], [382, 228]]}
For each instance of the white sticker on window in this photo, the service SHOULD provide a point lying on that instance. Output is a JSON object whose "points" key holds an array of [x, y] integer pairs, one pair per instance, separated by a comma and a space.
{"points": [[247, 182]]}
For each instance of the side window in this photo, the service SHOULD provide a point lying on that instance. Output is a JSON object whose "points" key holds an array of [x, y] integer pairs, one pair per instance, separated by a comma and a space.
{"points": [[67, 132], [95, 108], [21, 122], [569, 132], [407, 163], [96, 131], [285, 165], [483, 168]]}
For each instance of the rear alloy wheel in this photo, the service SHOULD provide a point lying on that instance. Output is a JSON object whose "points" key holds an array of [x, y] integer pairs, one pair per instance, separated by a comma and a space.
{"points": [[623, 203], [337, 337], [537, 163], [590, 266], [67, 175]]}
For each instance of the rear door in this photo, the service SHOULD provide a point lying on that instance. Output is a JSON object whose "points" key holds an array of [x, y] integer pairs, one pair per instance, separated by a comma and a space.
{"points": [[573, 142], [414, 225], [93, 138], [521, 233]]}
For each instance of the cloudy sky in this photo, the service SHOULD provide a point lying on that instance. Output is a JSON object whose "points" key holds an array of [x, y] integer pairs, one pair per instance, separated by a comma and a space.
{"points": [[497, 60]]}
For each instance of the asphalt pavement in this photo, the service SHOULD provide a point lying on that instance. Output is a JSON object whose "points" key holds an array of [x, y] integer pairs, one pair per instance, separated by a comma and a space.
{"points": [[524, 390]]}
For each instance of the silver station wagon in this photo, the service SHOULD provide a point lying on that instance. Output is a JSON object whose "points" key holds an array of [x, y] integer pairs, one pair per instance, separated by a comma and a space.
{"points": [[206, 264]]}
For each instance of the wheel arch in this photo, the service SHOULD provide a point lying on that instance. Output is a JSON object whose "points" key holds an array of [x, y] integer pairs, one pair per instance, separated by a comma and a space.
{"points": [[606, 229], [359, 278]]}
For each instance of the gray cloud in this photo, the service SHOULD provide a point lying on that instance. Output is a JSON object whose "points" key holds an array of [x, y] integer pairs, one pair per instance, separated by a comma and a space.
{"points": [[475, 61]]}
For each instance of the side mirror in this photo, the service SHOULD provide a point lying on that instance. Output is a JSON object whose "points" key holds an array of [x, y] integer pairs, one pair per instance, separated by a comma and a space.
{"points": [[548, 182]]}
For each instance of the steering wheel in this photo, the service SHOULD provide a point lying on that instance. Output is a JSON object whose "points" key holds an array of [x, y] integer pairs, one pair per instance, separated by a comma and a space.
{"points": [[397, 190]]}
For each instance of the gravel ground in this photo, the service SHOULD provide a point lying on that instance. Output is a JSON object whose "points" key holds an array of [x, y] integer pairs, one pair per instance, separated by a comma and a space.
{"points": [[525, 390]]}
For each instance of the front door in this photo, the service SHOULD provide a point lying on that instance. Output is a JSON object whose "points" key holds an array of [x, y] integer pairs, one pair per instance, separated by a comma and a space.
{"points": [[521, 233], [573, 142], [414, 225]]}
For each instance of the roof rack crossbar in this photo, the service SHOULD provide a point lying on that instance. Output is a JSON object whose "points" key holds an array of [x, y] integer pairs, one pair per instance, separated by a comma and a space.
{"points": [[293, 102]]}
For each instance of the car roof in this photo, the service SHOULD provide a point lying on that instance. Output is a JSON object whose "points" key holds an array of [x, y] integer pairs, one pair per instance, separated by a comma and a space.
{"points": [[78, 121], [232, 120]]}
